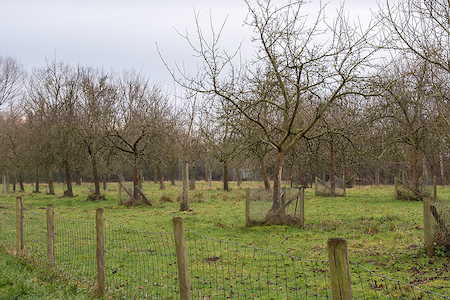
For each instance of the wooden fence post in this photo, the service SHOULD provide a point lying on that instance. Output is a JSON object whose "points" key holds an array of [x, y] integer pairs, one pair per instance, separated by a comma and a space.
{"points": [[302, 208], [180, 248], [283, 198], [247, 207], [19, 225], [100, 253], [50, 236], [427, 238], [341, 288]]}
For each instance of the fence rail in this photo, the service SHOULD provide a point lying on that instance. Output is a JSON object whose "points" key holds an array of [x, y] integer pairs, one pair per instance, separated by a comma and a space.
{"points": [[136, 264]]}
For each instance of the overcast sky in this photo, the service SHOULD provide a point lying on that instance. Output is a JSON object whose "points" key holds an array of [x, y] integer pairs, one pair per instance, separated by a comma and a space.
{"points": [[121, 34]]}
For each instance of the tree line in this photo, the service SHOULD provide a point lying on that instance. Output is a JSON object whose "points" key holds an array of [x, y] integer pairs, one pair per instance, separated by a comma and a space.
{"points": [[321, 95]]}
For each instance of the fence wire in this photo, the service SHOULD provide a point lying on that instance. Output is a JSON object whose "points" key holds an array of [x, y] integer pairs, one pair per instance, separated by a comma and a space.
{"points": [[75, 248], [324, 188], [224, 270], [35, 233], [140, 264], [261, 201], [7, 224], [368, 285]]}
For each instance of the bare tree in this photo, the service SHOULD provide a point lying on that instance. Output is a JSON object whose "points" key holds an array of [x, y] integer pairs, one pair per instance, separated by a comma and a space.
{"points": [[97, 98], [308, 64], [11, 79], [140, 115], [421, 27]]}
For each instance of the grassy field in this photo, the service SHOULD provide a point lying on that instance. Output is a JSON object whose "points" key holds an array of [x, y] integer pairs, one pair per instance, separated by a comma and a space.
{"points": [[384, 235]]}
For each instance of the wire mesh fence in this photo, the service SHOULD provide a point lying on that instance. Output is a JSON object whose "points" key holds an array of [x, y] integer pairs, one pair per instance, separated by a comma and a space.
{"points": [[8, 223], [141, 265], [407, 189], [261, 201], [328, 188], [224, 270], [75, 244], [35, 233], [369, 285]]}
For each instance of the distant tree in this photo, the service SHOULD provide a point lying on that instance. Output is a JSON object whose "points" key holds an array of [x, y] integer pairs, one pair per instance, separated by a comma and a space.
{"points": [[97, 99], [136, 124], [406, 104], [11, 80]]}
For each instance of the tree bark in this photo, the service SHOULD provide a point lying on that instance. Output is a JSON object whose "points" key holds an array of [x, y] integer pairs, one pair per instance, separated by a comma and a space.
{"points": [[51, 187], [161, 183], [416, 171], [238, 179], [172, 180], [276, 204], [332, 179], [14, 182], [68, 179], [136, 178], [264, 175], [22, 188], [96, 179], [185, 177], [225, 176], [37, 180]]}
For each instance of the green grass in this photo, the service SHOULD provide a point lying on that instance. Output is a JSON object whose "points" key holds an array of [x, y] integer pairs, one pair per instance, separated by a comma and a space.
{"points": [[23, 279], [384, 235]]}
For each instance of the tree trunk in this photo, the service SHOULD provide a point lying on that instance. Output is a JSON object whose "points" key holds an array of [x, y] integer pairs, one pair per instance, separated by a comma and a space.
{"points": [[209, 176], [172, 180], [276, 202], [22, 188], [51, 187], [136, 179], [185, 177], [416, 171], [14, 182], [78, 179], [332, 179], [192, 184], [238, 179], [161, 183], [37, 180], [264, 175], [96, 180], [225, 176], [68, 179]]}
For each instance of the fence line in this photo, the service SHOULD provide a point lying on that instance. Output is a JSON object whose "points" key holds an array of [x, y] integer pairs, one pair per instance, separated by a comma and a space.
{"points": [[141, 264]]}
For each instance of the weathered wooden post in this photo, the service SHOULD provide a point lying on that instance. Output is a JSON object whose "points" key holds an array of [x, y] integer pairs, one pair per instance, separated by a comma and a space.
{"points": [[434, 188], [247, 207], [283, 199], [341, 288], [19, 225], [100, 253], [427, 236], [50, 236], [180, 248]]}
